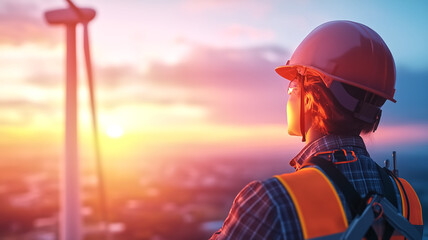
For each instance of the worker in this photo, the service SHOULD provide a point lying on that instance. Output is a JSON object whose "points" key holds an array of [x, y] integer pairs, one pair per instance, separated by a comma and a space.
{"points": [[340, 76]]}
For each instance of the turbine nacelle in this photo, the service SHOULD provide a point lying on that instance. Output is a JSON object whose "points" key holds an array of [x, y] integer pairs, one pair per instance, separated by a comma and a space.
{"points": [[70, 15]]}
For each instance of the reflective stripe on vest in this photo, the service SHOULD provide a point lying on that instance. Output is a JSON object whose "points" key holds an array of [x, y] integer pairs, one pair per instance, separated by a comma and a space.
{"points": [[320, 209]]}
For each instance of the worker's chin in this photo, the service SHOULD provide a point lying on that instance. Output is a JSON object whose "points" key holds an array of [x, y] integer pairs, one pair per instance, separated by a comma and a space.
{"points": [[294, 132]]}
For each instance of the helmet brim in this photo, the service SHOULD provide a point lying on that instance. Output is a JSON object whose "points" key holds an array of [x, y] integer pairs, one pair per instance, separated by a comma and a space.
{"points": [[291, 71], [288, 72]]}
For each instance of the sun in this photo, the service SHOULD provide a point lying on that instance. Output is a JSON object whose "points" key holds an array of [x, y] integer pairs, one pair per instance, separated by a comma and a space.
{"points": [[114, 131]]}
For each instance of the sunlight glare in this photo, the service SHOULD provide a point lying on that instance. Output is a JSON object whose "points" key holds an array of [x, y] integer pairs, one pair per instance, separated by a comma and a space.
{"points": [[114, 131]]}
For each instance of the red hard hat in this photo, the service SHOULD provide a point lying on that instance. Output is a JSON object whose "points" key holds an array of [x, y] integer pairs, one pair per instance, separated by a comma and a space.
{"points": [[346, 52]]}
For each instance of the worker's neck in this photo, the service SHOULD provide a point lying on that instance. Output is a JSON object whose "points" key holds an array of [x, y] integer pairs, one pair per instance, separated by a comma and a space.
{"points": [[312, 134]]}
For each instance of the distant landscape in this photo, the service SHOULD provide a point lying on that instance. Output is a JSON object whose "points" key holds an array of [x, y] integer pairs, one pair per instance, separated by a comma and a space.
{"points": [[187, 199], [174, 200]]}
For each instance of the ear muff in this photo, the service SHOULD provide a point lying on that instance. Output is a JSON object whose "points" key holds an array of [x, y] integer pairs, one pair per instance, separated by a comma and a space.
{"points": [[377, 120]]}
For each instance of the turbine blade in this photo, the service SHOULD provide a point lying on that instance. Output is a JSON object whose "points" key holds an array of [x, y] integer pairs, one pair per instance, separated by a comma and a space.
{"points": [[102, 190], [75, 8]]}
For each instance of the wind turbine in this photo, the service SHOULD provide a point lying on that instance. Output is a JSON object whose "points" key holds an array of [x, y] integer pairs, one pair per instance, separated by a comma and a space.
{"points": [[70, 214]]}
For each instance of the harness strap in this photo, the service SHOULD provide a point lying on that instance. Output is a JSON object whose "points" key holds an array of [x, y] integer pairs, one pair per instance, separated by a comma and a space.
{"points": [[352, 197], [388, 187], [316, 199], [389, 193]]}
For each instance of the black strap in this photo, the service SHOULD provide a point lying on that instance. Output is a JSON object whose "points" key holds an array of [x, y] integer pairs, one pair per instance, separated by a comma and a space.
{"points": [[405, 194], [352, 197], [355, 202], [389, 193], [388, 187]]}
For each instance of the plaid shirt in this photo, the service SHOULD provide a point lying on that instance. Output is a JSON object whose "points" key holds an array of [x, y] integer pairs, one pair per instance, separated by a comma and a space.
{"points": [[264, 210]]}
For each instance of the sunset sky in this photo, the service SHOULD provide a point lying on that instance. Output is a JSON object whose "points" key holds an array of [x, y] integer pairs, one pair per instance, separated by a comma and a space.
{"points": [[192, 77]]}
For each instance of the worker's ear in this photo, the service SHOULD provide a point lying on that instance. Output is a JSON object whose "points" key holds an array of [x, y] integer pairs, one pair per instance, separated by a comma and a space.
{"points": [[308, 103]]}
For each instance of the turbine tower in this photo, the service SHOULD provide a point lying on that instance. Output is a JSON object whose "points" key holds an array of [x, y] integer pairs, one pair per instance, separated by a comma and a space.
{"points": [[70, 213]]}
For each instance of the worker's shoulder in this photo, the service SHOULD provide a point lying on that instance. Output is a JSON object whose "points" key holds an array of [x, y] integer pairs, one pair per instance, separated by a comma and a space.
{"points": [[259, 190], [253, 189], [278, 195]]}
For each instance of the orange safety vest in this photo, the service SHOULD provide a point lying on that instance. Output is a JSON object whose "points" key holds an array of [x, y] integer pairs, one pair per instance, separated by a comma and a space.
{"points": [[320, 209]]}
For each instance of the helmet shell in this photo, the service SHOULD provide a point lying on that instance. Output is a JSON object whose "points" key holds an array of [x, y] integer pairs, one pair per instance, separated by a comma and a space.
{"points": [[347, 52]]}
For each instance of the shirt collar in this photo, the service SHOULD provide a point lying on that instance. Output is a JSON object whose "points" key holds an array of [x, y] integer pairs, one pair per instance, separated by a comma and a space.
{"points": [[327, 143]]}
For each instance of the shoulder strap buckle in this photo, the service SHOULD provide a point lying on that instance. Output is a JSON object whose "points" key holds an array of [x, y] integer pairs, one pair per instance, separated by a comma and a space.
{"points": [[380, 207], [340, 155]]}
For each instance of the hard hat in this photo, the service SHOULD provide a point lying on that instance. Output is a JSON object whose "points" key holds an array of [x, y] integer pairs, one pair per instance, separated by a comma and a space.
{"points": [[346, 52]]}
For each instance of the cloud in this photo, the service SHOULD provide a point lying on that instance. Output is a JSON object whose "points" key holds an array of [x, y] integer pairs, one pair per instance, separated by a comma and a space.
{"points": [[46, 79], [221, 68], [114, 76], [239, 86], [22, 22], [107, 78], [23, 104], [23, 111], [234, 86]]}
